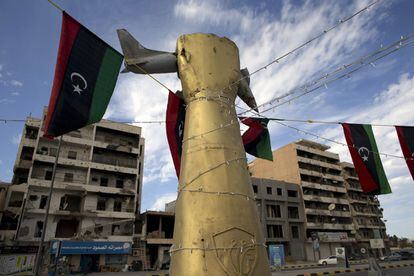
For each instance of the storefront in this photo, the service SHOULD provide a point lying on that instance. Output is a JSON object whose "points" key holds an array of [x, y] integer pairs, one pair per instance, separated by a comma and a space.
{"points": [[90, 256]]}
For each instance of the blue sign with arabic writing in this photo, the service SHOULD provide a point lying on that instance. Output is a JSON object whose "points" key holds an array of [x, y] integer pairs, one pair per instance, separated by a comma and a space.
{"points": [[84, 247], [277, 254]]}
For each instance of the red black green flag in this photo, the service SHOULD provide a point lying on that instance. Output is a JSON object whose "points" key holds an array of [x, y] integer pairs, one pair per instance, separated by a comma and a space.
{"points": [[174, 121], [406, 137], [256, 139], [86, 72], [367, 162]]}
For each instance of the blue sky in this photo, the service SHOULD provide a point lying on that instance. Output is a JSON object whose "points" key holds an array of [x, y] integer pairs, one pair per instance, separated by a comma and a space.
{"points": [[263, 30]]}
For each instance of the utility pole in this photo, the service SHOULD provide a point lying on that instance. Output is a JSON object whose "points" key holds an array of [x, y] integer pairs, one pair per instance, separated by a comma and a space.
{"points": [[39, 257], [217, 229]]}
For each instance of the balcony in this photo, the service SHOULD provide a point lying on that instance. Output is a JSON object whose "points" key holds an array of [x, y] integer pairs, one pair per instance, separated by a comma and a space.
{"points": [[330, 226], [321, 175], [310, 211], [62, 160], [324, 187], [325, 199], [318, 152], [319, 163]]}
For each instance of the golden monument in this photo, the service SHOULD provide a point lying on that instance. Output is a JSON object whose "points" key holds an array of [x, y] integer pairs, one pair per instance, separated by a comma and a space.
{"points": [[217, 228]]}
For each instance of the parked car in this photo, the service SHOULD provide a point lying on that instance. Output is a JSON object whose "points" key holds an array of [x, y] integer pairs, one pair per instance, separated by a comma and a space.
{"points": [[394, 256], [405, 255], [355, 256], [328, 261]]}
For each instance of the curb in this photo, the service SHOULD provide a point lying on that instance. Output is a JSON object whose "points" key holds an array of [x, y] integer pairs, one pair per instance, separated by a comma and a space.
{"points": [[333, 272]]}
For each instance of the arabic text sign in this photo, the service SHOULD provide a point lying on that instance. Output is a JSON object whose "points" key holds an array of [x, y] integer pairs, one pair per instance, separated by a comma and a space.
{"points": [[79, 247]]}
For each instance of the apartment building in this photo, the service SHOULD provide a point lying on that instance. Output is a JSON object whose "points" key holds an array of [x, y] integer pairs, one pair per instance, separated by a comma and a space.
{"points": [[97, 192], [157, 228], [318, 172], [365, 209], [280, 208]]}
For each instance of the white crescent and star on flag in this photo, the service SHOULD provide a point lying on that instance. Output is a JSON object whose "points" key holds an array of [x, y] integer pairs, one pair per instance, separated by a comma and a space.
{"points": [[364, 153], [77, 85]]}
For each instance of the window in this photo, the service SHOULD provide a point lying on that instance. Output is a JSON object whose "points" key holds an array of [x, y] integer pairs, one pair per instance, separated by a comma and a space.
{"points": [[295, 232], [101, 206], [140, 150], [116, 229], [16, 199], [292, 193], [68, 177], [104, 181], [39, 228], [273, 211], [98, 229], [48, 175], [117, 206], [43, 201], [274, 231], [120, 183], [255, 189], [279, 191], [94, 179], [139, 168], [269, 190], [293, 212], [53, 151], [72, 154], [33, 197]]}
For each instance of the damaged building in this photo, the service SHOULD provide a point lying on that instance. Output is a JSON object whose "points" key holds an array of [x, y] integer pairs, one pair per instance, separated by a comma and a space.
{"points": [[96, 197]]}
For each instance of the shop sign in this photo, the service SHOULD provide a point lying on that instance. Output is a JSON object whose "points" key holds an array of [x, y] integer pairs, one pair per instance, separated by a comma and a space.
{"points": [[332, 236], [84, 247], [376, 243]]}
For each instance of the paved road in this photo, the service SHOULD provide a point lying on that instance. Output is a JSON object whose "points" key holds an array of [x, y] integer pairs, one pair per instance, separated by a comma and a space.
{"points": [[404, 271]]}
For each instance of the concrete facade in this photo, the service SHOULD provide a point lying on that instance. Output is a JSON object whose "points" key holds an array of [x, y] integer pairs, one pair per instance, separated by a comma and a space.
{"points": [[97, 190], [329, 220], [281, 213]]}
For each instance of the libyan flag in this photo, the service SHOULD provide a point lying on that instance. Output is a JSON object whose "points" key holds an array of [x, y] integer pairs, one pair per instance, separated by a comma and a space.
{"points": [[256, 139], [406, 138], [85, 75], [364, 153]]}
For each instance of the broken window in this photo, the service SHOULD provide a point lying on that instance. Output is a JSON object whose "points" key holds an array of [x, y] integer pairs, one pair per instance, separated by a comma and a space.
{"points": [[116, 229], [16, 199], [66, 228], [39, 228], [117, 206], [43, 201], [269, 190], [101, 206], [48, 175], [72, 154], [273, 211], [53, 151], [293, 212], [120, 183], [33, 197], [279, 191], [98, 230], [255, 189], [274, 231], [70, 203], [104, 181], [292, 193], [68, 177]]}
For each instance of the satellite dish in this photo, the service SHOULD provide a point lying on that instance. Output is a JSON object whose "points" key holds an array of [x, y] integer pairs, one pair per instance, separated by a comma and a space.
{"points": [[331, 207], [363, 250]]}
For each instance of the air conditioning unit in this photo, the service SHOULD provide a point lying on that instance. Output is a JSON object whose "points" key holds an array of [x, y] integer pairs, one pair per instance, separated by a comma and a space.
{"points": [[2, 237]]}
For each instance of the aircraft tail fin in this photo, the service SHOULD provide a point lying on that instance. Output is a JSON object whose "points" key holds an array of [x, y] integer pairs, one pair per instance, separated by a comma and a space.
{"points": [[130, 46]]}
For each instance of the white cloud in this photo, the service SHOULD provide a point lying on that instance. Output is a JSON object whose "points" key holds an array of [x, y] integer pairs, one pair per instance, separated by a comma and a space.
{"points": [[16, 83], [159, 204], [15, 93], [16, 139]]}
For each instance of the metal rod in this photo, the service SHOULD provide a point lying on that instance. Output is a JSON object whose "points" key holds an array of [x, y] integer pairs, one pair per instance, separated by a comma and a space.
{"points": [[39, 256]]}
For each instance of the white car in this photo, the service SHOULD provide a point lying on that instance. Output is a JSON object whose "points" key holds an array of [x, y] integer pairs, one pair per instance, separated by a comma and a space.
{"points": [[332, 260]]}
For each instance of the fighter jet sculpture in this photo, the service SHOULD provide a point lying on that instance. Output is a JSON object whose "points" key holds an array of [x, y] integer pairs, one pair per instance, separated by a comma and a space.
{"points": [[141, 60]]}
